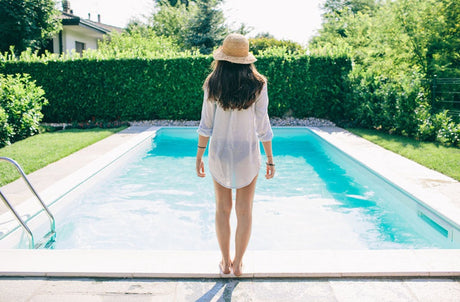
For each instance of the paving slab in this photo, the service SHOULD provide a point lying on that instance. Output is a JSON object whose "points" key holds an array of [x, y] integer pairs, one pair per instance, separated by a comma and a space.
{"points": [[241, 290]]}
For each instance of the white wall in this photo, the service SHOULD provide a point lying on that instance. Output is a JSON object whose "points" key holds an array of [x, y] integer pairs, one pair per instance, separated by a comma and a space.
{"points": [[70, 34]]}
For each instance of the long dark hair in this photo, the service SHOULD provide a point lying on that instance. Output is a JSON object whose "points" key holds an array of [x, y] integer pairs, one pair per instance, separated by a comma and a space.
{"points": [[234, 86]]}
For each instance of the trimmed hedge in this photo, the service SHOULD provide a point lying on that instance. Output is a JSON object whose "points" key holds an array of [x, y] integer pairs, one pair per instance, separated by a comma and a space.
{"points": [[145, 89]]}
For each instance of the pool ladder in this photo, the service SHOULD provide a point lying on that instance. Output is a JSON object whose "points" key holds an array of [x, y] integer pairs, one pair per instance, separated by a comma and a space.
{"points": [[51, 235]]}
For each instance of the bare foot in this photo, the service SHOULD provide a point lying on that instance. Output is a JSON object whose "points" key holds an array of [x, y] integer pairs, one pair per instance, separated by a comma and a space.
{"points": [[225, 267], [238, 269]]}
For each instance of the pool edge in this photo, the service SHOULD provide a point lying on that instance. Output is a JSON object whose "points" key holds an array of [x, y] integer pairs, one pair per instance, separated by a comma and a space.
{"points": [[422, 183], [204, 264]]}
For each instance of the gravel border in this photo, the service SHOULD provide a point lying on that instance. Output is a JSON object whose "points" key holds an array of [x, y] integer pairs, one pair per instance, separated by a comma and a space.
{"points": [[275, 121]]}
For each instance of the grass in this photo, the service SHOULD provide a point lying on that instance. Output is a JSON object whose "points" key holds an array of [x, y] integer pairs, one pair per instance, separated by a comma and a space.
{"points": [[432, 155], [40, 150]]}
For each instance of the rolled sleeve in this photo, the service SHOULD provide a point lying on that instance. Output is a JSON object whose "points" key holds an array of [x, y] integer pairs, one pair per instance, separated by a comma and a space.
{"points": [[207, 116], [262, 121]]}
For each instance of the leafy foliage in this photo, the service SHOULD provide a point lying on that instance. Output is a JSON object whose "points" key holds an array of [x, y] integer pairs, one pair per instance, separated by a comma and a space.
{"points": [[174, 2], [138, 43], [171, 20], [21, 102], [395, 49], [27, 23], [206, 27], [261, 44], [194, 25], [170, 88]]}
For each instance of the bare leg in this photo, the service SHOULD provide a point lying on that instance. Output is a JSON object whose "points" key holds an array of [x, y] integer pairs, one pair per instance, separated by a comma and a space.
{"points": [[223, 210], [243, 206]]}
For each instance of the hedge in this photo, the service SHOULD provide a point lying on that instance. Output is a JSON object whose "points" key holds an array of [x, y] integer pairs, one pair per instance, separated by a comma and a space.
{"points": [[145, 89]]}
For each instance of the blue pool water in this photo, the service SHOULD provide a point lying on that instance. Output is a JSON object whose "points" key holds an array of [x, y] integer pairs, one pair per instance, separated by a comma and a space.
{"points": [[319, 199]]}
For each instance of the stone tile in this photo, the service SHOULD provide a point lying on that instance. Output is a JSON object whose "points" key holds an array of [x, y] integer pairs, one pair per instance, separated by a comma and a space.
{"points": [[188, 264], [440, 262], [239, 290], [17, 290], [427, 290], [136, 298], [377, 263], [296, 264], [151, 287], [351, 290], [215, 290], [292, 290], [66, 298], [156, 288], [71, 286], [200, 289]]}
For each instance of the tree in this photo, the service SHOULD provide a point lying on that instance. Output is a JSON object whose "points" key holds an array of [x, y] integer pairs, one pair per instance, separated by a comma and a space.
{"points": [[397, 46], [206, 28], [27, 23], [244, 29], [137, 41], [265, 35], [336, 13], [174, 2], [172, 21], [332, 7]]}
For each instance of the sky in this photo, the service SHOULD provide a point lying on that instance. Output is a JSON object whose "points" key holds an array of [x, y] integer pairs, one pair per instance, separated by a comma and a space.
{"points": [[296, 20]]}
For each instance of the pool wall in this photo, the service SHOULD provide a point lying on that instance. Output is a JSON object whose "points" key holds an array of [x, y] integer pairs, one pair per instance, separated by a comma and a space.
{"points": [[437, 195], [98, 158], [444, 224]]}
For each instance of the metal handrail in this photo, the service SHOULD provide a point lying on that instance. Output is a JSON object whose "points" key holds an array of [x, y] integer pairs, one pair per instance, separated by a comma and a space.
{"points": [[23, 224], [50, 216]]}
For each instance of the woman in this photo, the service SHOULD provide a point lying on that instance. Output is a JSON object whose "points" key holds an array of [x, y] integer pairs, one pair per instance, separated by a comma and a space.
{"points": [[235, 115]]}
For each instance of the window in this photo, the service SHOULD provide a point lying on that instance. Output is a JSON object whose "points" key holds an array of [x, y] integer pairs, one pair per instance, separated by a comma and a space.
{"points": [[79, 47]]}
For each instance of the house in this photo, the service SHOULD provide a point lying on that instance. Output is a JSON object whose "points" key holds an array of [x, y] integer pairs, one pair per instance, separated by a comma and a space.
{"points": [[78, 33]]}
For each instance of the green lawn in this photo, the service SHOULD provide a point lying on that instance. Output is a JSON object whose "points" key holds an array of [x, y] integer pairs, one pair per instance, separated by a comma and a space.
{"points": [[40, 150], [432, 155]]}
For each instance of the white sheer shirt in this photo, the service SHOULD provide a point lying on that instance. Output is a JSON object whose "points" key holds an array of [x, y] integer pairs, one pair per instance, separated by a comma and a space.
{"points": [[234, 152]]}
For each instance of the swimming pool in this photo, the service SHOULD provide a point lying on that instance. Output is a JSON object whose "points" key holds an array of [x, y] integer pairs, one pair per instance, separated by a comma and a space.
{"points": [[320, 199]]}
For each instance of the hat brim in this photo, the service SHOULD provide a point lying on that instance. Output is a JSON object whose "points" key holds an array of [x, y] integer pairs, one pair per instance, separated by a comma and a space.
{"points": [[219, 55]]}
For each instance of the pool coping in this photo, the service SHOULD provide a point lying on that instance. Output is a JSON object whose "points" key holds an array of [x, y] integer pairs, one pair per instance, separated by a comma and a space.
{"points": [[203, 264], [419, 181]]}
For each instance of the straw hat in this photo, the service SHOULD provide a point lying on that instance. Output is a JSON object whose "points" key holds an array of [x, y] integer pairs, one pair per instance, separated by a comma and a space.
{"points": [[235, 49]]}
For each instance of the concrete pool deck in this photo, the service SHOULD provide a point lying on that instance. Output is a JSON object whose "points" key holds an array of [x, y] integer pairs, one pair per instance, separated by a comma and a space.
{"points": [[60, 177]]}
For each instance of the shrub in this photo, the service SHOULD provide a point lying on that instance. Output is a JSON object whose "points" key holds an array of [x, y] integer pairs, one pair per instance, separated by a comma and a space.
{"points": [[447, 131], [171, 88], [426, 129], [385, 102], [437, 127], [259, 45], [5, 129], [21, 103]]}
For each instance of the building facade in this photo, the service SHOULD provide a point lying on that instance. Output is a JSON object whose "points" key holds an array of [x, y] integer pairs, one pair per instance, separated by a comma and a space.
{"points": [[77, 33]]}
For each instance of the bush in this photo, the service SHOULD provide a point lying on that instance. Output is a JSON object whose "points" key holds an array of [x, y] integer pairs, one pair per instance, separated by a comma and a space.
{"points": [[426, 129], [259, 45], [5, 129], [437, 127], [171, 88], [21, 103]]}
